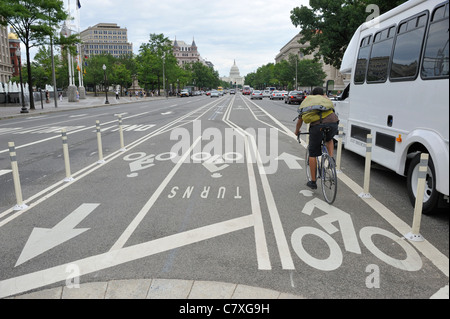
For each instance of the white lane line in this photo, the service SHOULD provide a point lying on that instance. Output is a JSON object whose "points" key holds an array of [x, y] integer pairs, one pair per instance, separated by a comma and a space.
{"points": [[143, 212], [41, 278], [262, 252], [280, 237], [71, 132]]}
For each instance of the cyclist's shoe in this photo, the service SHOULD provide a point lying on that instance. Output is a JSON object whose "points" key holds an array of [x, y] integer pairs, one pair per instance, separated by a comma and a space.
{"points": [[312, 185]]}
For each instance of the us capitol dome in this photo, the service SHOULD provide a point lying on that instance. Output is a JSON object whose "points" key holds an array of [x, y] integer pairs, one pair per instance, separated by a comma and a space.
{"points": [[235, 77]]}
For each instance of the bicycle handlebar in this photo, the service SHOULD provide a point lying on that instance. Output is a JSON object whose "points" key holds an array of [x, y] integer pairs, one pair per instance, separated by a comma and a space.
{"points": [[300, 133]]}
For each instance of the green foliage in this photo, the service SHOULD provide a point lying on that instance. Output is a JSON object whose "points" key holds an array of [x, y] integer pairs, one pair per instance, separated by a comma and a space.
{"points": [[32, 21], [282, 75], [328, 25]]}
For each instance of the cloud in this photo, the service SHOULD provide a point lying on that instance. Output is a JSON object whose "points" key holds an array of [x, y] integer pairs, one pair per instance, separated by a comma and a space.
{"points": [[250, 32]]}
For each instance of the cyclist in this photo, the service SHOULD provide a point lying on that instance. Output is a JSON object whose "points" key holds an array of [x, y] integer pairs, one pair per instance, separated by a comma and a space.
{"points": [[317, 120]]}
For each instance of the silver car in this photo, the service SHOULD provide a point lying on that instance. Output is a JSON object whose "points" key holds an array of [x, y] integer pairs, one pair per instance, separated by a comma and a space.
{"points": [[266, 93], [276, 95], [214, 93], [256, 95]]}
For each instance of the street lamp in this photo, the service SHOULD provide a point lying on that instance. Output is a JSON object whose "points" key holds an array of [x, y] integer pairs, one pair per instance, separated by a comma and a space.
{"points": [[164, 76], [106, 89], [19, 60]]}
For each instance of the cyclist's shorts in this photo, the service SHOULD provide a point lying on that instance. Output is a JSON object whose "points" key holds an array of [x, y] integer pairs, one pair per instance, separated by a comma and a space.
{"points": [[315, 137]]}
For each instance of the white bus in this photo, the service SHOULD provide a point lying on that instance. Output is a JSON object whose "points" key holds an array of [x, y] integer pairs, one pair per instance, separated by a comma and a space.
{"points": [[399, 93]]}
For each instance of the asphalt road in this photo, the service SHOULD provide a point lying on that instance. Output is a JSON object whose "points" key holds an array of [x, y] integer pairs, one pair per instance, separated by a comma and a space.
{"points": [[207, 189]]}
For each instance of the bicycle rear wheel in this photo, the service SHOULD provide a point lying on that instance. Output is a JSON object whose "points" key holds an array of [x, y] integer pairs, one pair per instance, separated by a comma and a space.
{"points": [[329, 178]]}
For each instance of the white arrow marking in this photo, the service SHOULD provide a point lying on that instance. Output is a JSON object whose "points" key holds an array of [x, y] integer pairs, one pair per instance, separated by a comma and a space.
{"points": [[4, 171], [43, 239], [291, 160], [166, 113]]}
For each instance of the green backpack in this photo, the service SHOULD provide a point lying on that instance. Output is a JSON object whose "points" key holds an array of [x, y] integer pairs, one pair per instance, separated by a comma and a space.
{"points": [[315, 108]]}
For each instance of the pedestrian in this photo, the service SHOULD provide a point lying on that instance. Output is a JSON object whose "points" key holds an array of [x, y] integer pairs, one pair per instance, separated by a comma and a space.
{"points": [[60, 96], [117, 94]]}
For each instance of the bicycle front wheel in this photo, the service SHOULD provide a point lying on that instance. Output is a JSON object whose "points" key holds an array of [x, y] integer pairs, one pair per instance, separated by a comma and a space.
{"points": [[307, 167], [329, 178]]}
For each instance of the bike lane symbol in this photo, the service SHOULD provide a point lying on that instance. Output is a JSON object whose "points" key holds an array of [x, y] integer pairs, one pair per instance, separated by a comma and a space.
{"points": [[140, 161], [412, 262]]}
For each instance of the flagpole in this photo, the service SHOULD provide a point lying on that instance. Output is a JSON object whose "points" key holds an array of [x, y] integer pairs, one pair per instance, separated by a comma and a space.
{"points": [[82, 90]]}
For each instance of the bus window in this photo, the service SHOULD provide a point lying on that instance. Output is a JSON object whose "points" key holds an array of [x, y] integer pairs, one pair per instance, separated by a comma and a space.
{"points": [[407, 49], [361, 63], [380, 57], [436, 58]]}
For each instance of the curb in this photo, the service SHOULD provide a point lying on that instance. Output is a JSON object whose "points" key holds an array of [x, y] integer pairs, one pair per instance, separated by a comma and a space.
{"points": [[157, 289]]}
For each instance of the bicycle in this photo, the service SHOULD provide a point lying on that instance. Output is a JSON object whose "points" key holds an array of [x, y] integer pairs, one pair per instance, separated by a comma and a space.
{"points": [[326, 169]]}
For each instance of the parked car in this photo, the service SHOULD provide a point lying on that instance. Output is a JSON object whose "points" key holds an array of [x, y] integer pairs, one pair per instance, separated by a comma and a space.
{"points": [[266, 93], [214, 93], [276, 95], [256, 95], [184, 93], [294, 97]]}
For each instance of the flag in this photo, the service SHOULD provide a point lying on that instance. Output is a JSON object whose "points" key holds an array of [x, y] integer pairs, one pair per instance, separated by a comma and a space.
{"points": [[78, 4]]}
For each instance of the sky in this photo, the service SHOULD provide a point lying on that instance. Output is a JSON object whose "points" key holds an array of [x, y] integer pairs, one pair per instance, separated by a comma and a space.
{"points": [[250, 32]]}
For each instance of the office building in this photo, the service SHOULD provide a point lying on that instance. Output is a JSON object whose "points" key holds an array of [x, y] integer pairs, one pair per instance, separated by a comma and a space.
{"points": [[6, 69], [105, 38]]}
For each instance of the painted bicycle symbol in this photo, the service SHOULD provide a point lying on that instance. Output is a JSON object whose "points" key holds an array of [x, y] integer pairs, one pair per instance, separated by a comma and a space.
{"points": [[412, 262]]}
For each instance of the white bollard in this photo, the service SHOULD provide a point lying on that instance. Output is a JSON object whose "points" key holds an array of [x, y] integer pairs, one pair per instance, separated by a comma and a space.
{"points": [[339, 148], [122, 145], [99, 143], [414, 235], [15, 172], [66, 156], [366, 193]]}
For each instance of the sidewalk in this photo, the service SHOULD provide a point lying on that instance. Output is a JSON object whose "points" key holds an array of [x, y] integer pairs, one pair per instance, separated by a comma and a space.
{"points": [[8, 111], [157, 289]]}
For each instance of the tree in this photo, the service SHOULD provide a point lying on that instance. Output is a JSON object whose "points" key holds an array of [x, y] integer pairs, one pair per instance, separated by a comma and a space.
{"points": [[310, 73], [32, 21], [153, 57], [94, 71], [328, 25]]}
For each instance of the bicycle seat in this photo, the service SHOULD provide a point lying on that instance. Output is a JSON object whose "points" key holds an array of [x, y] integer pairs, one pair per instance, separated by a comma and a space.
{"points": [[325, 129]]}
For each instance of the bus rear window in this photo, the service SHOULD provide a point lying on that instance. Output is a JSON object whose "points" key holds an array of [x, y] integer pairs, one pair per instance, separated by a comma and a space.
{"points": [[436, 57]]}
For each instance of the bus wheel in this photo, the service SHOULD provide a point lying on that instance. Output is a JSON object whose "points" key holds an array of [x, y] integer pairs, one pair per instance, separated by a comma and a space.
{"points": [[431, 195]]}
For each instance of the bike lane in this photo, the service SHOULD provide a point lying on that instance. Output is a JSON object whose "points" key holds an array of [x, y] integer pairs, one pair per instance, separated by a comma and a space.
{"points": [[352, 249]]}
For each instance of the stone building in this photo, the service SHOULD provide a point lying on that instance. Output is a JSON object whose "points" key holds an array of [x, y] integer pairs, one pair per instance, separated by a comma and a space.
{"points": [[293, 47], [105, 38], [185, 53], [6, 69]]}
